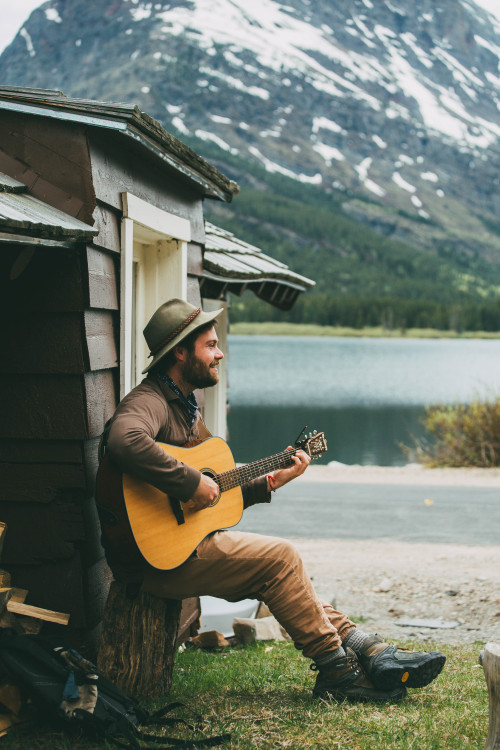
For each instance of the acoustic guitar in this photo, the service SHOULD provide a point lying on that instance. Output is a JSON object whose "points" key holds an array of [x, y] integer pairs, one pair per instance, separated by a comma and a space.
{"points": [[167, 531]]}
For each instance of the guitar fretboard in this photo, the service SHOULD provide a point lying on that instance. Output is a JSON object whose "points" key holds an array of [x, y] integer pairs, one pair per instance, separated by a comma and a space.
{"points": [[235, 477]]}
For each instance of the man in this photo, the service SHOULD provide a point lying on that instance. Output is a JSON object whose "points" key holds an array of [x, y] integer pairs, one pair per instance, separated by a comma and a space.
{"points": [[229, 564]]}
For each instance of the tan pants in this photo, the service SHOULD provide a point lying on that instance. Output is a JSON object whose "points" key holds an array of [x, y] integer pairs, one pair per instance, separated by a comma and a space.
{"points": [[234, 565]]}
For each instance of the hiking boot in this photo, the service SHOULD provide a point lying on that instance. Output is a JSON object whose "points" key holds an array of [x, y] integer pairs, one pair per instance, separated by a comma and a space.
{"points": [[344, 679], [389, 667]]}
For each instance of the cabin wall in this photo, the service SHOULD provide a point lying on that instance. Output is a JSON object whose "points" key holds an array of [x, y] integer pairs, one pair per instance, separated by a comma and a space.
{"points": [[53, 405], [119, 165], [60, 344]]}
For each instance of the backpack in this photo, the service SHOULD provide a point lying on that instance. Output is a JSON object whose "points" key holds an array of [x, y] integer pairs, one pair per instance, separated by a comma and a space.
{"points": [[67, 689]]}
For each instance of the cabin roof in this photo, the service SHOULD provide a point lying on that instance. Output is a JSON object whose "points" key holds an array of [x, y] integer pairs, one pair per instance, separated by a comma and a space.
{"points": [[230, 264], [127, 121], [22, 214]]}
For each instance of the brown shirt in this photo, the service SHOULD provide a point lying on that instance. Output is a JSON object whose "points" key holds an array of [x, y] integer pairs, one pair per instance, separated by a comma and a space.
{"points": [[153, 413]]}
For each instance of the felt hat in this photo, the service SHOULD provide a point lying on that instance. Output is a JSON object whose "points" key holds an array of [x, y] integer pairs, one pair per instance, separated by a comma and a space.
{"points": [[170, 324]]}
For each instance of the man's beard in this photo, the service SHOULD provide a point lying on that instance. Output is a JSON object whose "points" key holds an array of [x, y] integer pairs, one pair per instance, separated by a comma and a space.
{"points": [[198, 373]]}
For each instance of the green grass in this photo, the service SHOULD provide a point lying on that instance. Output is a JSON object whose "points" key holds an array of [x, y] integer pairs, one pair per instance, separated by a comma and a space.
{"points": [[261, 694], [306, 329]]}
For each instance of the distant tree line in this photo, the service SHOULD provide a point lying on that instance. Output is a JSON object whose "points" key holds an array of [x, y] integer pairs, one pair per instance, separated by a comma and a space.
{"points": [[388, 313], [365, 275]]}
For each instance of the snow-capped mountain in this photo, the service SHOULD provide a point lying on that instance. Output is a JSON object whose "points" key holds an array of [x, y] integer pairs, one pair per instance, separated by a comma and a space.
{"points": [[394, 103]]}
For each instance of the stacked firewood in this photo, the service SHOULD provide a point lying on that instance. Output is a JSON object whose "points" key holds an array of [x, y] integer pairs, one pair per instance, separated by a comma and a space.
{"points": [[22, 618]]}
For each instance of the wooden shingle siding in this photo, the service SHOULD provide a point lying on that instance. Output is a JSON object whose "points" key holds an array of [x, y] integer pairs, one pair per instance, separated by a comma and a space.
{"points": [[51, 282], [195, 260], [43, 407], [102, 278], [51, 533], [60, 407], [39, 483], [100, 339], [56, 585], [107, 221], [42, 342], [41, 451], [193, 292], [100, 399], [116, 171]]}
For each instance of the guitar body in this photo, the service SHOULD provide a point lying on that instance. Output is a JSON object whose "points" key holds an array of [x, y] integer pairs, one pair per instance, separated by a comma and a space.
{"points": [[140, 522], [164, 542]]}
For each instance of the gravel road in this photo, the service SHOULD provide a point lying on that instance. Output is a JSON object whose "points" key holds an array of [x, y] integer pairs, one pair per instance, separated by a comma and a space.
{"points": [[383, 582]]}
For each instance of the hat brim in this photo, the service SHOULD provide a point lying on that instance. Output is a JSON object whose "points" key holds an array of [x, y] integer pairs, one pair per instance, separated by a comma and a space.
{"points": [[200, 320]]}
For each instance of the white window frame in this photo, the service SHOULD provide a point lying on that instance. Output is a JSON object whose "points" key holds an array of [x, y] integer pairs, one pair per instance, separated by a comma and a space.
{"points": [[153, 270]]}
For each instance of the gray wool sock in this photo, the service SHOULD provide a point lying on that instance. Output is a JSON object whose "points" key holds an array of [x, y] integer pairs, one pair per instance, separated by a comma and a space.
{"points": [[355, 639], [329, 657]]}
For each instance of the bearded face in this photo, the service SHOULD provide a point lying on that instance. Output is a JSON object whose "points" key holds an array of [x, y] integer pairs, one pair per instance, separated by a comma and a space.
{"points": [[199, 373], [200, 367]]}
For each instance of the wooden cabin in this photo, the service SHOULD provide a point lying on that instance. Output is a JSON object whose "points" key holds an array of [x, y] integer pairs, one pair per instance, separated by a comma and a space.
{"points": [[101, 220]]}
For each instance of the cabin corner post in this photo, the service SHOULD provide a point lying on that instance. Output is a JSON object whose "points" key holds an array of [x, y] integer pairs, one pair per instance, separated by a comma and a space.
{"points": [[489, 659]]}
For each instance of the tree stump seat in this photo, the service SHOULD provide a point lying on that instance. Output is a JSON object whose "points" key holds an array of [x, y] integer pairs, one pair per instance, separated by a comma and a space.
{"points": [[138, 641]]}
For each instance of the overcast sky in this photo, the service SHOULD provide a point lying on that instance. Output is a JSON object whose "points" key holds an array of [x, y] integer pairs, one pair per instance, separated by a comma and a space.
{"points": [[15, 12]]}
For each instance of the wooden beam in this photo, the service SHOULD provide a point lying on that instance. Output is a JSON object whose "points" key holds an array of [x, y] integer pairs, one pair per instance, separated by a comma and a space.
{"points": [[19, 608]]}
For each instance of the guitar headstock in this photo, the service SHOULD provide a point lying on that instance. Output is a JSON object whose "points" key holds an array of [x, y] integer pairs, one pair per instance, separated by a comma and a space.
{"points": [[314, 444]]}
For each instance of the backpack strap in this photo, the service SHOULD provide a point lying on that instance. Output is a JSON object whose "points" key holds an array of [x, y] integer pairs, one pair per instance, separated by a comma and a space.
{"points": [[158, 717], [174, 742]]}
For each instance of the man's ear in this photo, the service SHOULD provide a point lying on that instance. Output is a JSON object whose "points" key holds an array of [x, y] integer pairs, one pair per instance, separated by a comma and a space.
{"points": [[180, 353]]}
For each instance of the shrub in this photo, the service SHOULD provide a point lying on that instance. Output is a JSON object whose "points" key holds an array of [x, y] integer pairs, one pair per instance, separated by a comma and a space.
{"points": [[462, 434]]}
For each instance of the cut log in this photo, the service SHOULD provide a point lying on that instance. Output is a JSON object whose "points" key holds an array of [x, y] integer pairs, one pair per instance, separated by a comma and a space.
{"points": [[248, 630], [5, 595], [490, 660], [12, 708], [19, 595], [19, 608], [10, 697], [4, 578], [210, 639], [138, 641]]}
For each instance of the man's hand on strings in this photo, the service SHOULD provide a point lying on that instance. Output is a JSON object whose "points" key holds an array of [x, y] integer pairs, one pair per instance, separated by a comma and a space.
{"points": [[301, 461]]}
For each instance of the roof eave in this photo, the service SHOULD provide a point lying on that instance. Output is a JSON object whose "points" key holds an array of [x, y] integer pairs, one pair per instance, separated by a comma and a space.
{"points": [[132, 123]]}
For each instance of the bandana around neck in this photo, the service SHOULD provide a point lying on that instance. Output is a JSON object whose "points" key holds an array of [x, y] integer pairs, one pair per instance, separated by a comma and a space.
{"points": [[189, 401]]}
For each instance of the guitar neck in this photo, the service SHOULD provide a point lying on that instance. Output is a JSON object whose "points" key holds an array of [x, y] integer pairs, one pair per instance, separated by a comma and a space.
{"points": [[238, 476]]}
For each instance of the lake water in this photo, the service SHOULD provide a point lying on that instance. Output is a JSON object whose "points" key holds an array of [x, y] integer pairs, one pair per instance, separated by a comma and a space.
{"points": [[367, 395]]}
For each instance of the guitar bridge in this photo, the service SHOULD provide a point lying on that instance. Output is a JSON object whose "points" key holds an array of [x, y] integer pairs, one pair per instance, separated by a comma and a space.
{"points": [[176, 506]]}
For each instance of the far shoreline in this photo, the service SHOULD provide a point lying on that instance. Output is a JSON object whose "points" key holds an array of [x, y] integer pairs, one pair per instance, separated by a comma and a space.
{"points": [[309, 329]]}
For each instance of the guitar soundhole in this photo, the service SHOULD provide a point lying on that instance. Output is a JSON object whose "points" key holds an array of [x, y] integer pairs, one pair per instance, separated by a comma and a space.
{"points": [[212, 475]]}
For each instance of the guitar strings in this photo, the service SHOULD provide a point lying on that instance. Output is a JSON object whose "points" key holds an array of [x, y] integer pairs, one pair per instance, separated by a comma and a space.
{"points": [[234, 477]]}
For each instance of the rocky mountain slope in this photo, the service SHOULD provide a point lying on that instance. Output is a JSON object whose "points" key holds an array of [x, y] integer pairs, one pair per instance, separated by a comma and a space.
{"points": [[391, 109]]}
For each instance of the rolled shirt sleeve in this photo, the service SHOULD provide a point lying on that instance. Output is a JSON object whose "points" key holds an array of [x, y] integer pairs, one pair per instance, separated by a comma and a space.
{"points": [[255, 492]]}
